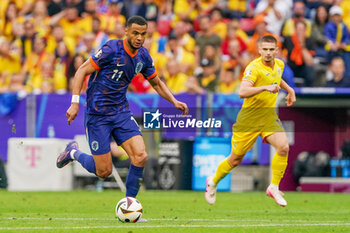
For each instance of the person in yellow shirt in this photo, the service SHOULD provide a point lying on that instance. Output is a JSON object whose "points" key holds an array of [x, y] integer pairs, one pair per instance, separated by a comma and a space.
{"points": [[10, 63], [57, 35], [9, 21], [26, 41], [185, 59], [90, 11], [112, 17], [185, 39], [299, 13], [260, 85], [71, 24], [175, 80], [228, 82], [218, 26], [345, 5], [32, 67]]}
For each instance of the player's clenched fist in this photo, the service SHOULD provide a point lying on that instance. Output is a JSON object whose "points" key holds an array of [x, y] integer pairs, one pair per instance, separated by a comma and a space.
{"points": [[72, 112], [273, 88]]}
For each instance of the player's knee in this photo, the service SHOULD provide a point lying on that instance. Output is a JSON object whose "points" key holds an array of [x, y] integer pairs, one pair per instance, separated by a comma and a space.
{"points": [[104, 173], [283, 150], [140, 159]]}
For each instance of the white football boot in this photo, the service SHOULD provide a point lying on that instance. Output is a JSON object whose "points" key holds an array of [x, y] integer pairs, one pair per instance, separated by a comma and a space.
{"points": [[210, 192], [277, 195]]}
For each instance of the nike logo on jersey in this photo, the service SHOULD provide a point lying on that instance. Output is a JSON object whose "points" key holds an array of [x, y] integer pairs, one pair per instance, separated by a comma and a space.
{"points": [[120, 64]]}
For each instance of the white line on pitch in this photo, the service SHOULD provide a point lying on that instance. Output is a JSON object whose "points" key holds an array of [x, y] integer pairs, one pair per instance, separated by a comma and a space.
{"points": [[176, 226], [171, 219]]}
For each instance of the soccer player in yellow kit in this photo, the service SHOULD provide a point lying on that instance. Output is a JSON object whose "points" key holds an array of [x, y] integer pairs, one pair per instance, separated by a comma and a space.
{"points": [[259, 88]]}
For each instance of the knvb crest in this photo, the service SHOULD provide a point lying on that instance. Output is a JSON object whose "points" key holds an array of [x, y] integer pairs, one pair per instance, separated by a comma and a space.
{"points": [[138, 68], [152, 120]]}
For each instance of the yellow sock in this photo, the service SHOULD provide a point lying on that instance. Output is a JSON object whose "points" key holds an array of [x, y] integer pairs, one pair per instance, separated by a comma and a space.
{"points": [[279, 165], [223, 169]]}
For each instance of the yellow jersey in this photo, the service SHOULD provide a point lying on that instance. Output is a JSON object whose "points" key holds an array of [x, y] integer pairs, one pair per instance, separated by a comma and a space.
{"points": [[258, 110], [260, 75]]}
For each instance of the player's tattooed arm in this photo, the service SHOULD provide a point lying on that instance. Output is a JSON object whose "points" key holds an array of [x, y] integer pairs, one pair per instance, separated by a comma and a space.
{"points": [[160, 87], [85, 69]]}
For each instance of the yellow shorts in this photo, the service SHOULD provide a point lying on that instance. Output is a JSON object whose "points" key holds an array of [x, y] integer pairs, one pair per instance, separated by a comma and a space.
{"points": [[243, 138]]}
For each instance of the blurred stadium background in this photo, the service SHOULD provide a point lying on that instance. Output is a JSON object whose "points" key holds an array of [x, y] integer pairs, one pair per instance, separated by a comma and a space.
{"points": [[200, 49]]}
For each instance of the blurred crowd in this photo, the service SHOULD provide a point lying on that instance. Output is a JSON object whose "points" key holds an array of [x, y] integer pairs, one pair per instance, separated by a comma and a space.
{"points": [[197, 46]]}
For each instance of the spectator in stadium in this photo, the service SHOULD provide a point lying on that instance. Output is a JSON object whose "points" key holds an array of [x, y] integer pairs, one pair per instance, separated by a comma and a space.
{"points": [[181, 32], [118, 33], [204, 37], [237, 60], [193, 86], [32, 70], [151, 10], [174, 78], [9, 19], [27, 40], [60, 69], [158, 41], [300, 53], [217, 22], [57, 35], [208, 77], [87, 47], [317, 34], [90, 12], [185, 59], [259, 32], [71, 23], [134, 7], [40, 17], [100, 36], [239, 8], [234, 33], [184, 9], [113, 17], [298, 15], [276, 12], [338, 36], [338, 77], [228, 82], [10, 60], [47, 83]]}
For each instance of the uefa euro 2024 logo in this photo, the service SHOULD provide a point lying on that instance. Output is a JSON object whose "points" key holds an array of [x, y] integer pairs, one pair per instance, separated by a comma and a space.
{"points": [[152, 120]]}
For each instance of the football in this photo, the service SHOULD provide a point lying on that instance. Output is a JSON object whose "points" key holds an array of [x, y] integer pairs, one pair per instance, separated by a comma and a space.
{"points": [[128, 209]]}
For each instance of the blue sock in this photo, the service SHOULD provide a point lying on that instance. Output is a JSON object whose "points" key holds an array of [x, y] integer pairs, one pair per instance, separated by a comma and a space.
{"points": [[133, 180], [87, 161]]}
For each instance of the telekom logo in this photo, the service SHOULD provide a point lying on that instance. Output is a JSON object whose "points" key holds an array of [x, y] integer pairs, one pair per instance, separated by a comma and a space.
{"points": [[32, 155]]}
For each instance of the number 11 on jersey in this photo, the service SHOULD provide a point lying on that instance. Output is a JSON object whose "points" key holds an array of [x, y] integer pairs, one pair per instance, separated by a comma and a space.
{"points": [[116, 71]]}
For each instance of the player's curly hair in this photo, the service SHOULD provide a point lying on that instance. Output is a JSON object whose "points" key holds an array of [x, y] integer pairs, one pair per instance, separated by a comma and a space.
{"points": [[136, 20]]}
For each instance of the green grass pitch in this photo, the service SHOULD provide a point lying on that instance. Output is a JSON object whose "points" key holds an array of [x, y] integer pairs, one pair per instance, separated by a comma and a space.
{"points": [[173, 211]]}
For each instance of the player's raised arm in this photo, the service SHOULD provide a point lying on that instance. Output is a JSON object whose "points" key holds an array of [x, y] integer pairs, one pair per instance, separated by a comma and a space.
{"points": [[85, 69], [164, 92], [290, 98]]}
